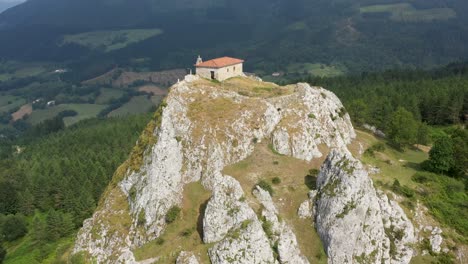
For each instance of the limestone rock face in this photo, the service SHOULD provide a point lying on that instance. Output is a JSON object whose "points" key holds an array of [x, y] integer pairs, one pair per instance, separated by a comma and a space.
{"points": [[204, 127], [186, 258], [355, 223], [288, 248], [247, 244], [303, 127], [436, 239], [225, 210]]}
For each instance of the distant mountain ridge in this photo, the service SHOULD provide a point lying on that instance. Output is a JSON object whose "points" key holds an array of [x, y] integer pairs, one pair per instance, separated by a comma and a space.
{"points": [[5, 5], [354, 35]]}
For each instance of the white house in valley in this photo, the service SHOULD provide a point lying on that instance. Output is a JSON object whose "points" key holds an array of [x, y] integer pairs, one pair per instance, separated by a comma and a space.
{"points": [[219, 69]]}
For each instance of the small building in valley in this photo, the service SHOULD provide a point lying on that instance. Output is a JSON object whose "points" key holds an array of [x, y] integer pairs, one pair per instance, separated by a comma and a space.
{"points": [[219, 69]]}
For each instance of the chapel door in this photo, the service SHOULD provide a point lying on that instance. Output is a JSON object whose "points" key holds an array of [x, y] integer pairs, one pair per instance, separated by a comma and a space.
{"points": [[212, 75]]}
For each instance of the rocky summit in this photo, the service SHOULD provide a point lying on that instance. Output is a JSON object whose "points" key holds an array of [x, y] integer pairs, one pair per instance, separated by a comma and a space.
{"points": [[192, 190]]}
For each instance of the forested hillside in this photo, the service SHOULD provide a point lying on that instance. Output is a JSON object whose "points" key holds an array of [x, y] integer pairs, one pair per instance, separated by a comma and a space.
{"points": [[274, 36], [50, 183], [437, 97]]}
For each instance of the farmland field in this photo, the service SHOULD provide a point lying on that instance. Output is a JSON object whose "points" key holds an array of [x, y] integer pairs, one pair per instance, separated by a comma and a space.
{"points": [[138, 104], [110, 40], [23, 111], [316, 69], [9, 102], [405, 12], [108, 94], [20, 71], [84, 111]]}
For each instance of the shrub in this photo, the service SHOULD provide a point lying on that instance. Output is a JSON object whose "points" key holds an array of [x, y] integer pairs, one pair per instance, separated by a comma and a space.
{"points": [[186, 232], [423, 177], [267, 227], [265, 186], [141, 218], [160, 241], [403, 190], [2, 254], [172, 214], [276, 180], [314, 172], [14, 227], [246, 223], [378, 147]]}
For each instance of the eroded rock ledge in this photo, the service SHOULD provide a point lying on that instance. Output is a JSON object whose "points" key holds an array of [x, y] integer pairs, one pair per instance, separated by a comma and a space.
{"points": [[356, 223]]}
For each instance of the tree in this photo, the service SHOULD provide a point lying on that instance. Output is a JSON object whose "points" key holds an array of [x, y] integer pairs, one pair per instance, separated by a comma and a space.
{"points": [[359, 110], [2, 253], [402, 128], [8, 198], [14, 227], [441, 156], [460, 152], [423, 136], [39, 232]]}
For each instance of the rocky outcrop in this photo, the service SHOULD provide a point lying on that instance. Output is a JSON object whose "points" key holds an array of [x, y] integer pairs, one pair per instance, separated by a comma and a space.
{"points": [[186, 258], [307, 209], [245, 244], [280, 233], [356, 223], [204, 127], [226, 210], [436, 240], [304, 127]]}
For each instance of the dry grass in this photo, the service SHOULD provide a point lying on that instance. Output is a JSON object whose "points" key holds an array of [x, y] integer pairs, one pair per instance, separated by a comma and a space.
{"points": [[253, 88], [249, 87], [153, 89], [213, 118], [184, 234], [289, 194]]}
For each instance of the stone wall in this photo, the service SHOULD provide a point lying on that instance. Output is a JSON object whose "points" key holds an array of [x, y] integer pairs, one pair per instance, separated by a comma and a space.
{"points": [[221, 74]]}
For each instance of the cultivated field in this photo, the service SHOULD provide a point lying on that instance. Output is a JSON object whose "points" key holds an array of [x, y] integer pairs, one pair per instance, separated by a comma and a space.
{"points": [[138, 104], [405, 12], [107, 95], [84, 111], [316, 69], [110, 40], [9, 102]]}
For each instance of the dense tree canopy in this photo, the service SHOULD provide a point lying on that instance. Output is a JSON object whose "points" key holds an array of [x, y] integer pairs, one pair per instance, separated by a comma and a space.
{"points": [[59, 175]]}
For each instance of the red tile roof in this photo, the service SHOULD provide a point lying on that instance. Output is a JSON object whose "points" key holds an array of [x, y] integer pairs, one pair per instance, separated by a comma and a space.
{"points": [[219, 62]]}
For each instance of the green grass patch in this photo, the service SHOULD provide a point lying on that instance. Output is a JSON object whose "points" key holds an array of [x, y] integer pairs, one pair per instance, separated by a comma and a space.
{"points": [[107, 95], [9, 102], [26, 251], [137, 105], [405, 12], [316, 69], [393, 164], [110, 40], [85, 111], [297, 26], [446, 198], [400, 172], [185, 232]]}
